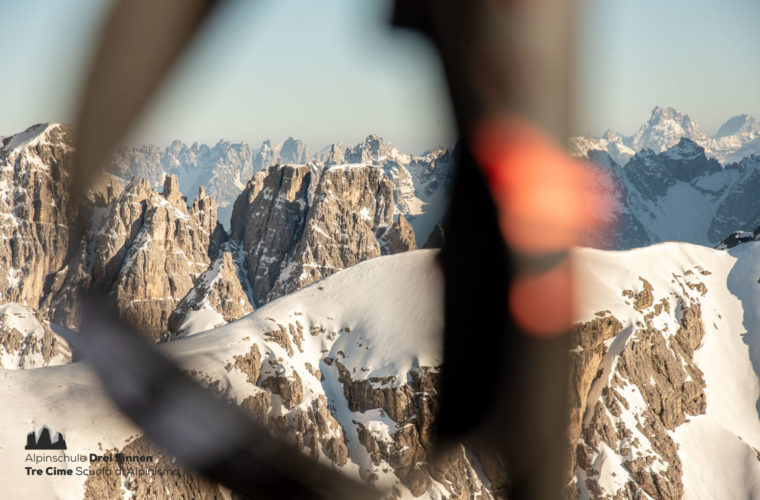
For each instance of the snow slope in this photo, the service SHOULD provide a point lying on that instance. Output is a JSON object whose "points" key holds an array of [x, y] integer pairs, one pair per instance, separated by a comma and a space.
{"points": [[682, 195], [718, 449], [381, 318], [381, 321]]}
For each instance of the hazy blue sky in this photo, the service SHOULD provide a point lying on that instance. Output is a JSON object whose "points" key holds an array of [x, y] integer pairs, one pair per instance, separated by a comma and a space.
{"points": [[331, 71], [700, 56]]}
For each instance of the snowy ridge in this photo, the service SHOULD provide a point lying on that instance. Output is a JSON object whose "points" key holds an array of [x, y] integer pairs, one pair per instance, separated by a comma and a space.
{"points": [[35, 135], [717, 447], [28, 341], [680, 194], [384, 333]]}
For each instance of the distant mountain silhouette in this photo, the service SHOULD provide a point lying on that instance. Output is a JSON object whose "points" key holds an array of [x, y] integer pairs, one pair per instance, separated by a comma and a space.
{"points": [[43, 441]]}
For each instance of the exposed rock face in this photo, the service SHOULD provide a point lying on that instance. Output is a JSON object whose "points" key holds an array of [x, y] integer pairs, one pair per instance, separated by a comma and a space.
{"points": [[588, 340], [146, 250], [654, 173], [222, 169], [294, 151], [371, 149], [34, 210], [335, 155], [295, 227], [27, 341], [217, 297], [307, 418], [398, 238], [631, 386], [268, 220], [435, 238], [290, 151], [174, 481], [169, 251], [738, 207], [351, 205]]}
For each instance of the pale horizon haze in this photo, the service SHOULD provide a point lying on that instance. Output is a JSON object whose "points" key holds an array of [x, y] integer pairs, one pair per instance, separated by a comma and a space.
{"points": [[334, 71]]}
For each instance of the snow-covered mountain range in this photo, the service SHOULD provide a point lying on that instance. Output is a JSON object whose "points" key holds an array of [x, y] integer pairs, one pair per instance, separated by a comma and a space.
{"points": [[341, 355], [421, 182], [737, 138], [347, 371], [664, 371], [678, 194]]}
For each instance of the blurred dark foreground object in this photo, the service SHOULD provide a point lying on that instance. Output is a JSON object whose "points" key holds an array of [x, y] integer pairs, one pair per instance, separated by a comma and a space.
{"points": [[519, 203], [141, 41], [504, 381], [203, 432]]}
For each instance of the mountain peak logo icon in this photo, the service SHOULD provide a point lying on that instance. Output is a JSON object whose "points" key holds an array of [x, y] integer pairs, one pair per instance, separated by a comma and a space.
{"points": [[43, 441]]}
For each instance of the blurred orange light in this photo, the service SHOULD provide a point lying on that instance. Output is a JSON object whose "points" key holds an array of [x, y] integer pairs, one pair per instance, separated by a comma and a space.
{"points": [[547, 202], [543, 194], [542, 304]]}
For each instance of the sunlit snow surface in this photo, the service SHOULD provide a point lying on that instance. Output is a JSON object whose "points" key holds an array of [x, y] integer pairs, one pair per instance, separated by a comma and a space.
{"points": [[392, 306], [717, 449], [387, 318]]}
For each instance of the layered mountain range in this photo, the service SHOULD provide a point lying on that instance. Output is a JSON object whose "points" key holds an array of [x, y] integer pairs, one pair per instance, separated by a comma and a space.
{"points": [[675, 188], [737, 138], [333, 320], [169, 266], [420, 182]]}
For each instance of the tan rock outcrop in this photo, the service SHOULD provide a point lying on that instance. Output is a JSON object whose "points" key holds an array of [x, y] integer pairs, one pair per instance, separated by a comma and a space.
{"points": [[35, 210], [27, 341], [218, 292], [174, 481], [267, 221], [296, 225], [399, 237], [146, 250], [169, 251], [611, 367]]}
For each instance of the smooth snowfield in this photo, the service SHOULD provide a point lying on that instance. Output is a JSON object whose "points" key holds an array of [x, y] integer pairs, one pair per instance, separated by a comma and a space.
{"points": [[717, 449], [386, 317]]}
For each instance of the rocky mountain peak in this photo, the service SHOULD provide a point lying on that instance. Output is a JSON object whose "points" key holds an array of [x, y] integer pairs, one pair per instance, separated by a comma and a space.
{"points": [[335, 155], [171, 189], [295, 227], [35, 210], [662, 113], [294, 151], [175, 147], [40, 134], [665, 127], [373, 148], [610, 135], [686, 149], [740, 124]]}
